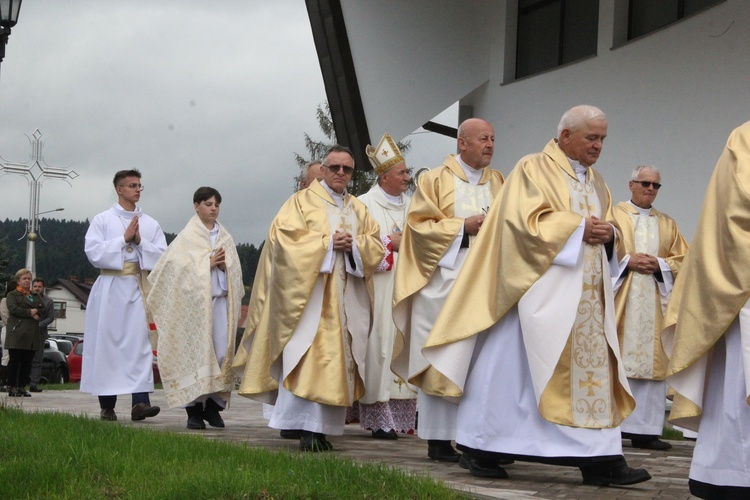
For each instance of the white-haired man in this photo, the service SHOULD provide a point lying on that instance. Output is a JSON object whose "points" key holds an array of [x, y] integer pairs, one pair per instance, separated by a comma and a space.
{"points": [[654, 250], [527, 337], [389, 405]]}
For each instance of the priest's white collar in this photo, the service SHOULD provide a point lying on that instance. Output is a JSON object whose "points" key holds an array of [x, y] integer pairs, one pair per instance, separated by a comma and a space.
{"points": [[338, 198], [642, 211], [121, 212], [580, 170], [396, 200], [472, 174]]}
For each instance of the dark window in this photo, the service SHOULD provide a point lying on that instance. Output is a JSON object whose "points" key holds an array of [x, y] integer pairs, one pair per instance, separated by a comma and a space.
{"points": [[60, 310], [645, 16], [555, 32]]}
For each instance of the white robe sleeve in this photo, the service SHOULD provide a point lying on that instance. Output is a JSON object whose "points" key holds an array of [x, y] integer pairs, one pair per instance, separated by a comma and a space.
{"points": [[451, 255], [103, 252], [665, 287]]}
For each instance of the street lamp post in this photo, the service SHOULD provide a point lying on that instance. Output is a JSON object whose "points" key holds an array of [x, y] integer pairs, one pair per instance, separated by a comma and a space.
{"points": [[8, 18]]}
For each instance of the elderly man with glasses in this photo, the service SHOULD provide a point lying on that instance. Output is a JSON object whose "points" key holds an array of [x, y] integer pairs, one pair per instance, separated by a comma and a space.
{"points": [[124, 244], [654, 250], [311, 307]]}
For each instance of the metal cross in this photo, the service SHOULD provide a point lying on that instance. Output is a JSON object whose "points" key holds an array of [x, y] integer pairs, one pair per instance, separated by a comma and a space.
{"points": [[36, 171]]}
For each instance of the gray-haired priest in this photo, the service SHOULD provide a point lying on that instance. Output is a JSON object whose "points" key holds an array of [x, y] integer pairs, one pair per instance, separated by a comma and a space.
{"points": [[654, 250], [311, 306], [527, 336], [389, 405]]}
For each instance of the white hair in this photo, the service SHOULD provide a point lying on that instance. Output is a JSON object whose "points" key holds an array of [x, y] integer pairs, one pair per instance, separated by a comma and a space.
{"points": [[578, 115], [640, 168]]}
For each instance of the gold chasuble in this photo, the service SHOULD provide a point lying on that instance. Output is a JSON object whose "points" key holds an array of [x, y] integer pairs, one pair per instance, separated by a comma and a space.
{"points": [[639, 304], [181, 303], [442, 201], [714, 282], [305, 327], [566, 311]]}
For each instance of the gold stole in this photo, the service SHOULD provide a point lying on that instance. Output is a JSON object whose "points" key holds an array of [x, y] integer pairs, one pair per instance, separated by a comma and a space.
{"points": [[343, 219], [639, 335], [582, 375]]}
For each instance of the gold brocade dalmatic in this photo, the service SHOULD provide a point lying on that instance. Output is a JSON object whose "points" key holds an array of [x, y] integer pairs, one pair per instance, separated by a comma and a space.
{"points": [[288, 270], [529, 223], [640, 344], [714, 282], [187, 360], [432, 226]]}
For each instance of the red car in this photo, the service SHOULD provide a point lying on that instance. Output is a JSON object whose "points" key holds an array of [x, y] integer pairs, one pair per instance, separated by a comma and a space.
{"points": [[75, 358]]}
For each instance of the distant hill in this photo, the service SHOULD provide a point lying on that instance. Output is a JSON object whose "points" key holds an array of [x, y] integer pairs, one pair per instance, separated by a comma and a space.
{"points": [[62, 255]]}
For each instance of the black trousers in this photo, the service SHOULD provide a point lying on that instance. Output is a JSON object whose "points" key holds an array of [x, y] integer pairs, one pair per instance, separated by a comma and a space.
{"points": [[19, 367]]}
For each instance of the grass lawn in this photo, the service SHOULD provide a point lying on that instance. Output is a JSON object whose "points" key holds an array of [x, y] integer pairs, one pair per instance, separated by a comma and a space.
{"points": [[51, 455]]}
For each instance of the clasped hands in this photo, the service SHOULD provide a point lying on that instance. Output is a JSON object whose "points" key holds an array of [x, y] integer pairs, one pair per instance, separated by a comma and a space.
{"points": [[597, 232], [132, 232], [643, 263], [217, 259], [342, 242]]}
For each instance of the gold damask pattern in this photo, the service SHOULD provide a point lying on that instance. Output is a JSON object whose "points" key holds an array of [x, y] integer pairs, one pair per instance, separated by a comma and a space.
{"points": [[640, 309], [589, 354]]}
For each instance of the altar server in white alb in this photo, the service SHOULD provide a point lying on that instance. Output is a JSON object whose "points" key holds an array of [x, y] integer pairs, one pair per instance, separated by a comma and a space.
{"points": [[389, 405], [654, 250], [196, 289], [124, 244]]}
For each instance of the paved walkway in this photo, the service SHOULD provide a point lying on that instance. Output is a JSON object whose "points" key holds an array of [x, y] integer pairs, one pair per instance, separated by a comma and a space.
{"points": [[245, 424]]}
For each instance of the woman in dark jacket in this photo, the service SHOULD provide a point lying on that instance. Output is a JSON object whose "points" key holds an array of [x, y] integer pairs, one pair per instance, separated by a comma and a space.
{"points": [[23, 337]]}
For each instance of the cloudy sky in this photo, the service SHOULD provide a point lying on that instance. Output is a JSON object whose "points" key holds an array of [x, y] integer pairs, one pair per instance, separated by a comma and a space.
{"points": [[189, 92]]}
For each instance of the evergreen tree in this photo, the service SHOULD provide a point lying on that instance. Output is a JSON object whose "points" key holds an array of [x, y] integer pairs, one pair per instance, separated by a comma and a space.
{"points": [[362, 179]]}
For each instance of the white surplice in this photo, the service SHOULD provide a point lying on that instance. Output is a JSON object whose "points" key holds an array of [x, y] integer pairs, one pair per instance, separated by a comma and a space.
{"points": [[117, 354]]}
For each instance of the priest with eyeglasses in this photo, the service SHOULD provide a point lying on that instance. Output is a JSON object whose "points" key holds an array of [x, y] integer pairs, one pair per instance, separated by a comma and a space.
{"points": [[310, 311], [654, 249]]}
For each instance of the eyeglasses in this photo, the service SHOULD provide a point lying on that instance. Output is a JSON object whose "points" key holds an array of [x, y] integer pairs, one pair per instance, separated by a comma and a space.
{"points": [[335, 168], [140, 187], [648, 184]]}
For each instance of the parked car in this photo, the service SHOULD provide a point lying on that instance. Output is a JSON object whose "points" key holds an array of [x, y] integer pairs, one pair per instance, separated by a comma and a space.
{"points": [[72, 337], [63, 345], [75, 360], [54, 365]]}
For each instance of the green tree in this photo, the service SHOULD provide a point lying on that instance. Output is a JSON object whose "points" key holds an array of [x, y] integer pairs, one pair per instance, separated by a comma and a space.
{"points": [[362, 179]]}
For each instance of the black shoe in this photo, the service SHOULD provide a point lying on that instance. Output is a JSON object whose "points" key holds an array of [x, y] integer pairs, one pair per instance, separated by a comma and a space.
{"points": [[195, 416], [34, 388], [619, 475], [23, 392], [290, 433], [442, 451], [381, 434], [314, 441], [211, 414], [651, 444], [143, 410], [108, 414], [482, 468]]}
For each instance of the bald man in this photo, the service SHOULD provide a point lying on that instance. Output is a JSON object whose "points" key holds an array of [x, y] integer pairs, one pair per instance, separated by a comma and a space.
{"points": [[444, 218]]}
